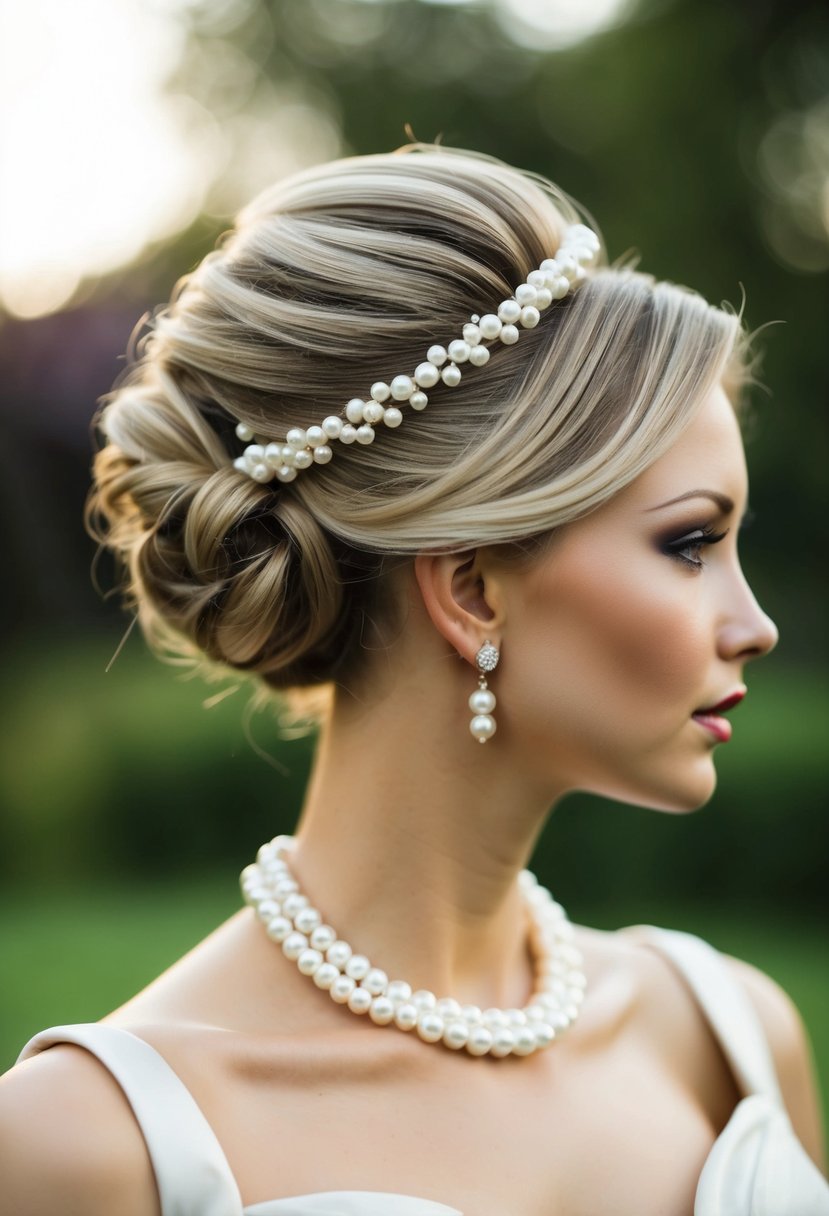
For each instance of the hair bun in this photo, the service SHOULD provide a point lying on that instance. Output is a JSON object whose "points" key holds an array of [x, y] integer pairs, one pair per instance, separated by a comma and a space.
{"points": [[249, 576]]}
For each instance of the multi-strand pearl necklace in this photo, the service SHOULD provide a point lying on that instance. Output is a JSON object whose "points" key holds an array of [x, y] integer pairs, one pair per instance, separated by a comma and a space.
{"points": [[350, 979]]}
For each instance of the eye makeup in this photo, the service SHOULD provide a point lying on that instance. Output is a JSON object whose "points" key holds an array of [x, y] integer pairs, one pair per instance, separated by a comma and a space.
{"points": [[695, 541]]}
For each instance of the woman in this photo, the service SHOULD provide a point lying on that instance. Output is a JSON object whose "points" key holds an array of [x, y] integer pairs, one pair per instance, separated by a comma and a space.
{"points": [[504, 570]]}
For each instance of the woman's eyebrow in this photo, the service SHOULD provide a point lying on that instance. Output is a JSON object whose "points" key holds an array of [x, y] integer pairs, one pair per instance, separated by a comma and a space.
{"points": [[722, 500]]}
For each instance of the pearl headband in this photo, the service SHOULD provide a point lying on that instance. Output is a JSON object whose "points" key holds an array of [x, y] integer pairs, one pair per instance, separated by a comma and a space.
{"points": [[303, 447]]}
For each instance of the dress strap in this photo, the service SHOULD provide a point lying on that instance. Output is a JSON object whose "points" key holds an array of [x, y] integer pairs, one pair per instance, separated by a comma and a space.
{"points": [[191, 1171], [729, 1011]]}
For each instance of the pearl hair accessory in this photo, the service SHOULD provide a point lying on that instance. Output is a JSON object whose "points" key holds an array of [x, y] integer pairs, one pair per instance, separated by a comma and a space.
{"points": [[350, 979], [302, 447], [482, 701]]}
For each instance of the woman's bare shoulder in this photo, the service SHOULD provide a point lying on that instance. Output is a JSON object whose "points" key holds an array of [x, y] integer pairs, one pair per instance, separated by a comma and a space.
{"points": [[69, 1141]]}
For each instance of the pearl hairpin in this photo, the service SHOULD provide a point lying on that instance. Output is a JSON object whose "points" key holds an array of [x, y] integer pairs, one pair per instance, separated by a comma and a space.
{"points": [[303, 447], [350, 979]]}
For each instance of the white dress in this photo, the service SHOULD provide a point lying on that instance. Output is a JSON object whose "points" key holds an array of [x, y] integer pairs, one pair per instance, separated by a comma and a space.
{"points": [[756, 1167]]}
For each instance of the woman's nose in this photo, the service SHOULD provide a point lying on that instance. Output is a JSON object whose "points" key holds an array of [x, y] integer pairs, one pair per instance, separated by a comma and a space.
{"points": [[748, 632]]}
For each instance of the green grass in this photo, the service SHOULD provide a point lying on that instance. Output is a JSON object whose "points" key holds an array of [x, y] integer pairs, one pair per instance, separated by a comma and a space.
{"points": [[73, 955]]}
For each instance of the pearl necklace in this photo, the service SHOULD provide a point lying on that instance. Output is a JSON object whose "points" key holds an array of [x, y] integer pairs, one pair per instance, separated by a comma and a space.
{"points": [[269, 887]]}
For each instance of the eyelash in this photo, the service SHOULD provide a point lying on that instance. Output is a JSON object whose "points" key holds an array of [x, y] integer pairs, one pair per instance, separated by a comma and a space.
{"points": [[708, 537]]}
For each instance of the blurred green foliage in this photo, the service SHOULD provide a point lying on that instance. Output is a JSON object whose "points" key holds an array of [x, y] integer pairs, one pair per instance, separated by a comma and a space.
{"points": [[127, 772]]}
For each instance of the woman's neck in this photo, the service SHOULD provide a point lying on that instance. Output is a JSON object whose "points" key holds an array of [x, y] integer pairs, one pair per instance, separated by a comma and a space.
{"points": [[414, 859]]}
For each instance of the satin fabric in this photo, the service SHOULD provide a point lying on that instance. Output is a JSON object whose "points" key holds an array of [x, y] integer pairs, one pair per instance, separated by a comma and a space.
{"points": [[756, 1167]]}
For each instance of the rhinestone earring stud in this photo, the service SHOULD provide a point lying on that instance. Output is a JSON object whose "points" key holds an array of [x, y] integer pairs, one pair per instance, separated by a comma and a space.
{"points": [[482, 701]]}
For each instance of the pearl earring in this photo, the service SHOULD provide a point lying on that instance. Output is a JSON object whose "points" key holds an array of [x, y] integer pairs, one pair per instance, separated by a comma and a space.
{"points": [[482, 701]]}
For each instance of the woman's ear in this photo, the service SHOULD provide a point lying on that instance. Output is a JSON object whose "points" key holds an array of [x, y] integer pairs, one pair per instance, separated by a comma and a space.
{"points": [[463, 595]]}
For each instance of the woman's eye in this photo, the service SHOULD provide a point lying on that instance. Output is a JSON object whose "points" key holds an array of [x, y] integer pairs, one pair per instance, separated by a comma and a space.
{"points": [[693, 542]]}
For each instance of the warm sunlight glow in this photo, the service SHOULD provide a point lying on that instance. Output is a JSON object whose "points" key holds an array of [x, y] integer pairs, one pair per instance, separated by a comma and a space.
{"points": [[99, 158]]}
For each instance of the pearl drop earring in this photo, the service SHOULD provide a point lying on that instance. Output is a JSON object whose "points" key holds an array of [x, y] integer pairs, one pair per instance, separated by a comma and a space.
{"points": [[482, 701]]}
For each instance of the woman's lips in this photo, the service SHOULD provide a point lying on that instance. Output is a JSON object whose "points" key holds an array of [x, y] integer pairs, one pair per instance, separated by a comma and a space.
{"points": [[712, 721], [719, 727]]}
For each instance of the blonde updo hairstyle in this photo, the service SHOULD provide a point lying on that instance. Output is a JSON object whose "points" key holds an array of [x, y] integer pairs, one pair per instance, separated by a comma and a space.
{"points": [[330, 280]]}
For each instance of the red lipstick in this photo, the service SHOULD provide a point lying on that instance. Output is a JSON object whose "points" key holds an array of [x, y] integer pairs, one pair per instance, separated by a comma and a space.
{"points": [[708, 717]]}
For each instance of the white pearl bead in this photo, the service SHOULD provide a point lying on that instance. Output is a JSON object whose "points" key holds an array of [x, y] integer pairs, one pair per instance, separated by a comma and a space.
{"points": [[333, 426], [316, 436], [323, 937], [448, 1007], [471, 333], [325, 975], [509, 311], [567, 264], [286, 473], [392, 417], [307, 919], [323, 454], [516, 1017], [303, 459], [405, 1016], [544, 1033], [293, 945], [342, 988], [402, 388], [308, 961], [430, 1026], [490, 326], [279, 928], [503, 1041], [348, 434], [482, 701], [495, 1017], [458, 351], [380, 391], [530, 316], [296, 437], [543, 298], [451, 375], [375, 981], [285, 886], [266, 909], [471, 1013], [360, 1001], [508, 335], [478, 356], [399, 990], [456, 1035], [365, 434], [525, 294], [423, 999], [418, 401], [294, 903], [381, 1011], [244, 432], [426, 375], [273, 455], [241, 464], [480, 1041], [551, 267], [374, 412], [339, 953], [483, 727], [559, 287], [357, 966], [437, 355], [524, 1041], [536, 1013], [354, 410], [262, 472], [537, 278], [288, 454]]}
